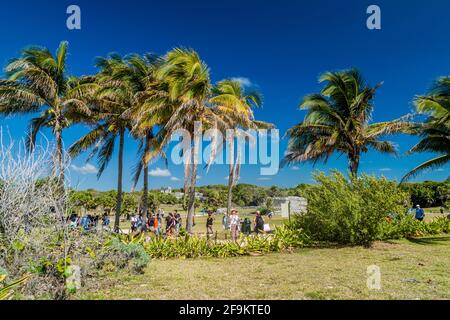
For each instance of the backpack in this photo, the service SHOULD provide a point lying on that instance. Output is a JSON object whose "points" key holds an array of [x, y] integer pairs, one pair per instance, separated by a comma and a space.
{"points": [[151, 222]]}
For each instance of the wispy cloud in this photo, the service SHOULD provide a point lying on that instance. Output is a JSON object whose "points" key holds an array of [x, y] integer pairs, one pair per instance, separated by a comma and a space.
{"points": [[440, 170], [86, 169], [245, 82], [174, 179], [158, 172], [264, 179], [385, 169], [295, 168]]}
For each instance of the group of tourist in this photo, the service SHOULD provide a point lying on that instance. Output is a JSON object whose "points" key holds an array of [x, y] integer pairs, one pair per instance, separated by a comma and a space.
{"points": [[236, 225], [88, 221], [155, 223], [173, 223]]}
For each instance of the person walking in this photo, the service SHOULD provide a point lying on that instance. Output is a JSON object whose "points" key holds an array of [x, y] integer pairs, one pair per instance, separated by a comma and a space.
{"points": [[259, 223], [178, 221], [420, 214], [209, 223], [235, 222]]}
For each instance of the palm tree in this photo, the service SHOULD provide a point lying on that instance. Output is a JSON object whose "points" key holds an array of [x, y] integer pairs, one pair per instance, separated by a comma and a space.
{"points": [[435, 131], [338, 121], [186, 82], [38, 81], [235, 106], [139, 73], [110, 104]]}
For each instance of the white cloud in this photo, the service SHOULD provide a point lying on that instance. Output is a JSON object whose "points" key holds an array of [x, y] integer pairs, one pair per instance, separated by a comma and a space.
{"points": [[158, 172], [174, 179], [385, 169], [86, 169], [245, 82], [264, 179], [295, 168], [440, 170]]}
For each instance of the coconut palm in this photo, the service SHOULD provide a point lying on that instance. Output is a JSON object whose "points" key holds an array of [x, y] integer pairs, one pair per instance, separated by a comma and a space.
{"points": [[38, 81], [235, 105], [139, 73], [338, 120], [435, 131], [186, 82], [110, 103]]}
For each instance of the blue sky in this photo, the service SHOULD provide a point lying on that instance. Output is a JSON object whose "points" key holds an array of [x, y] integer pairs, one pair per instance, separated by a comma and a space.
{"points": [[281, 47]]}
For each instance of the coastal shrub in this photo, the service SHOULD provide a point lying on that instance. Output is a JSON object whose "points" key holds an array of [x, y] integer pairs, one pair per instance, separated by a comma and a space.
{"points": [[407, 226], [132, 255], [284, 238], [349, 210]]}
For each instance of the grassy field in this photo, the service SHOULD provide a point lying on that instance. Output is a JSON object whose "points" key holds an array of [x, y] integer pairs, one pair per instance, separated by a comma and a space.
{"points": [[410, 269]]}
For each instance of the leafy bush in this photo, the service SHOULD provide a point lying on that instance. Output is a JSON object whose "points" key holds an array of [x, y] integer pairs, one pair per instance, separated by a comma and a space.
{"points": [[407, 226], [349, 211], [130, 252], [196, 247]]}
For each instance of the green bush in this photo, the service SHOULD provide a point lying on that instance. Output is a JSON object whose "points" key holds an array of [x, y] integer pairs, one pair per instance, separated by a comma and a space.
{"points": [[407, 226], [196, 247], [349, 210], [129, 252]]}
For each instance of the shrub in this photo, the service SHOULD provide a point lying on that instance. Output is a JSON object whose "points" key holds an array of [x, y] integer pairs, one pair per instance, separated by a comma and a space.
{"points": [[349, 211], [130, 254], [407, 226], [196, 247]]}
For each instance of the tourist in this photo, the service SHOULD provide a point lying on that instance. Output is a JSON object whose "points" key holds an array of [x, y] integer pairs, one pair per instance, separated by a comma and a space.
{"points": [[170, 224], [140, 223], [151, 223], [420, 214], [225, 222], [133, 222], [234, 224], [258, 223], [105, 220], [209, 223], [158, 224], [85, 222], [178, 221]]}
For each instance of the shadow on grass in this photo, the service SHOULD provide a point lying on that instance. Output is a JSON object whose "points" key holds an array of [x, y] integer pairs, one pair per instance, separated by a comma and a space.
{"points": [[444, 240]]}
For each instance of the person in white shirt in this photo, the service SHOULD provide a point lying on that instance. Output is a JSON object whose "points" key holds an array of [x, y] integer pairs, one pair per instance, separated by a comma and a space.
{"points": [[235, 222]]}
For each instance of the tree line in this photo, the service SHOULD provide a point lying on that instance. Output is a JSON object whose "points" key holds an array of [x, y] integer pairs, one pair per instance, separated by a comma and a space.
{"points": [[150, 97]]}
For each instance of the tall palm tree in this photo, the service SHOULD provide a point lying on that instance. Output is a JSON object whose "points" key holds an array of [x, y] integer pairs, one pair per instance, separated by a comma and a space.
{"points": [[139, 73], [235, 105], [110, 103], [38, 81], [188, 88], [435, 131], [338, 121]]}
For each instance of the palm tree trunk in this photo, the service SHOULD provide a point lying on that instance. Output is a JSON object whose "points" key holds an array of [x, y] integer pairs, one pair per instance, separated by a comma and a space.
{"points": [[148, 138], [59, 161], [119, 182], [230, 177], [191, 204], [353, 164]]}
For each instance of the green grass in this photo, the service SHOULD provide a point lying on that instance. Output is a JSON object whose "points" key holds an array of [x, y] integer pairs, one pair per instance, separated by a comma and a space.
{"points": [[410, 269]]}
